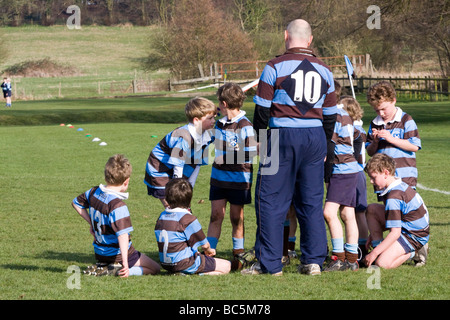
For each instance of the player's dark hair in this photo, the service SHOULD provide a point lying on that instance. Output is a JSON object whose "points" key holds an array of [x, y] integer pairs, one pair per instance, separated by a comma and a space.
{"points": [[232, 94], [179, 193]]}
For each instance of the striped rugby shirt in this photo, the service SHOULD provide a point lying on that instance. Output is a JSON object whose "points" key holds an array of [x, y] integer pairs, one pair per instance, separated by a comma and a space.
{"points": [[179, 234], [405, 209], [235, 147], [359, 143], [110, 218], [404, 127], [343, 137], [298, 88], [179, 148]]}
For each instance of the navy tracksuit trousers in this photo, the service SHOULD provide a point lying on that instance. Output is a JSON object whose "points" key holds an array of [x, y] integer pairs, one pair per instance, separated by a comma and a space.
{"points": [[297, 180]]}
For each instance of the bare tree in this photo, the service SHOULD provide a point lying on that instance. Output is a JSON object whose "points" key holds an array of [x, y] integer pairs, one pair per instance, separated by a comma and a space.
{"points": [[197, 33]]}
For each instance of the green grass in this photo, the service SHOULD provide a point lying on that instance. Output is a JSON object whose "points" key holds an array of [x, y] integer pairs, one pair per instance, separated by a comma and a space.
{"points": [[93, 50], [43, 167], [101, 55]]}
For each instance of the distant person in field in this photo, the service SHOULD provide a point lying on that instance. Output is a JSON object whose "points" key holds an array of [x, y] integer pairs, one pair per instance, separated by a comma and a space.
{"points": [[392, 132], [405, 216], [179, 234], [105, 211], [182, 151], [7, 93], [232, 170]]}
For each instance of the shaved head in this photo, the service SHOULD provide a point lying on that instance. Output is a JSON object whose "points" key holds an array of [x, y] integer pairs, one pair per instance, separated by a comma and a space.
{"points": [[299, 29], [298, 33]]}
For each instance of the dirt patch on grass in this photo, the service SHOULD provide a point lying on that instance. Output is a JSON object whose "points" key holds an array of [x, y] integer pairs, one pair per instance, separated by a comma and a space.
{"points": [[43, 68]]}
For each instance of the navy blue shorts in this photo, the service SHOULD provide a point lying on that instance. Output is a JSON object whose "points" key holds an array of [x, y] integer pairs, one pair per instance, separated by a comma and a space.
{"points": [[7, 94], [239, 197], [342, 189], [210, 264], [361, 192], [132, 258], [406, 246], [157, 193]]}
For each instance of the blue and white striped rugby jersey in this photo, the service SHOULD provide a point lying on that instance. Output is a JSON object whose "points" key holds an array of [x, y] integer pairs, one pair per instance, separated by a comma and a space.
{"points": [[179, 234], [405, 209], [359, 143], [235, 147], [343, 137], [110, 218], [298, 88], [178, 148], [404, 127]]}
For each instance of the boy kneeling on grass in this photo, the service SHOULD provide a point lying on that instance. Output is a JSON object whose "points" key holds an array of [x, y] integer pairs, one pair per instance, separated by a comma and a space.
{"points": [[110, 224], [406, 216]]}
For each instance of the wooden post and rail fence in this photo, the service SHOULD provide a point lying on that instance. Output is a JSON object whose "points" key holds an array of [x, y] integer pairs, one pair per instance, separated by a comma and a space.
{"points": [[418, 88], [412, 87]]}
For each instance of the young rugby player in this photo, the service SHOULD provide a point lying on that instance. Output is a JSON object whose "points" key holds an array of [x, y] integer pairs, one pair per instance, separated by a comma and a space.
{"points": [[232, 170], [341, 193], [110, 224], [182, 151], [405, 216], [393, 132], [179, 234]]}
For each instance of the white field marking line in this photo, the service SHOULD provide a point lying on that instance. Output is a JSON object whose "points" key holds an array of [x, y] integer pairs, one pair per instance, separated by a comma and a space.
{"points": [[250, 85], [421, 186]]}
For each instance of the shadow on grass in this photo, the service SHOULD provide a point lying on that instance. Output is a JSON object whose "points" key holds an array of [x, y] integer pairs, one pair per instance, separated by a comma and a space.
{"points": [[22, 267], [80, 259]]}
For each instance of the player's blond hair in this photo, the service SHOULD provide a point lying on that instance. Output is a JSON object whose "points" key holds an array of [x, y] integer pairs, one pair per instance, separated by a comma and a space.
{"points": [[380, 162], [117, 170], [352, 107], [199, 107], [380, 92]]}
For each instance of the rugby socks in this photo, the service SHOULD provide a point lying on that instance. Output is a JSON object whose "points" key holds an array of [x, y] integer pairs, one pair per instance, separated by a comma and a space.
{"points": [[291, 245], [238, 249], [362, 247], [351, 252], [338, 248], [238, 243], [213, 242]]}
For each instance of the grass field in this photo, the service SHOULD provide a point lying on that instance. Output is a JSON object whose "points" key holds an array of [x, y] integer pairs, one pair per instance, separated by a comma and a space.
{"points": [[106, 59], [44, 166]]}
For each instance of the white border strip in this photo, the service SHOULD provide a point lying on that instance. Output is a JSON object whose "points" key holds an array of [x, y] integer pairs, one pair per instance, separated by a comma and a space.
{"points": [[421, 186]]}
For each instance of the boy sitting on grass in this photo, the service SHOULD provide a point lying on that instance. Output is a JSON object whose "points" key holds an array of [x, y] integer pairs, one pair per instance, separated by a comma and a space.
{"points": [[110, 224], [179, 234], [406, 216]]}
